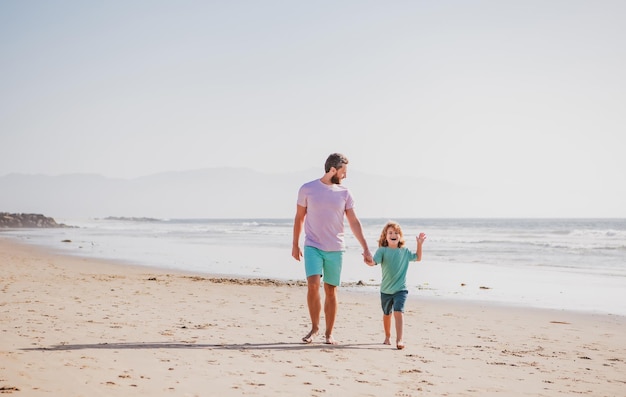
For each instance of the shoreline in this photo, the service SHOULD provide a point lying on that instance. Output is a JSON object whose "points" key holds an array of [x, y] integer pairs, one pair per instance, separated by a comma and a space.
{"points": [[79, 326], [351, 287], [574, 265], [359, 287]]}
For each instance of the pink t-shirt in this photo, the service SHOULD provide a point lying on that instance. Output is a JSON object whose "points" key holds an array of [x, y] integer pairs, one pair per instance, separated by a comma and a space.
{"points": [[325, 209]]}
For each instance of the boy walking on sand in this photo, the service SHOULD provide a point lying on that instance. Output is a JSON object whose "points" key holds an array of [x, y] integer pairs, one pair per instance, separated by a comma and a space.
{"points": [[394, 259]]}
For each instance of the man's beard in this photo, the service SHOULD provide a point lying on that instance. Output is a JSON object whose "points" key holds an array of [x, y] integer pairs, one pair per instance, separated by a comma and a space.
{"points": [[335, 179]]}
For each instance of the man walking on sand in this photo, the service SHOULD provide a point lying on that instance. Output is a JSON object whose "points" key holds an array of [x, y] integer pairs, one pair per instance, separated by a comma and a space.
{"points": [[322, 204]]}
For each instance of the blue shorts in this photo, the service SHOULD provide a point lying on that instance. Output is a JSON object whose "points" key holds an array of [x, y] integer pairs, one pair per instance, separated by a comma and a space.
{"points": [[323, 263], [395, 302]]}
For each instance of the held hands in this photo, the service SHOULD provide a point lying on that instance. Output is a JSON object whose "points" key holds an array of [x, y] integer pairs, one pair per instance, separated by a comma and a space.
{"points": [[367, 258]]}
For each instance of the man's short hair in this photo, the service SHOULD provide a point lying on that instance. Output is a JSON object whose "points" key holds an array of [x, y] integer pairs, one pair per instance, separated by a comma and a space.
{"points": [[336, 160]]}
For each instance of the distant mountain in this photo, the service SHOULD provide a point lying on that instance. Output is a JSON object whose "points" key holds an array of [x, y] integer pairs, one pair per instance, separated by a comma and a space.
{"points": [[219, 192], [205, 193], [244, 193]]}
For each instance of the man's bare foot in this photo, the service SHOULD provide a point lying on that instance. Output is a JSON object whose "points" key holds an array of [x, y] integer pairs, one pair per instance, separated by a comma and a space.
{"points": [[400, 345], [331, 341], [387, 341], [309, 337]]}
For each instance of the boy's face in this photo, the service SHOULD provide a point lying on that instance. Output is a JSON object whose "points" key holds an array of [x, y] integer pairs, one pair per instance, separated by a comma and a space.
{"points": [[393, 237]]}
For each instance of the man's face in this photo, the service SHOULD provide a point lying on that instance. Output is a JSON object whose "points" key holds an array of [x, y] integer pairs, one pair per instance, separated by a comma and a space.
{"points": [[340, 175]]}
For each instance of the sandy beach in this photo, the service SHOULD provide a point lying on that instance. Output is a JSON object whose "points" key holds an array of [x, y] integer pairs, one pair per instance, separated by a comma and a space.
{"points": [[83, 327]]}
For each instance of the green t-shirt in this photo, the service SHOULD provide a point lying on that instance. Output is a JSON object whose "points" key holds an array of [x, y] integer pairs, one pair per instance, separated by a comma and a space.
{"points": [[394, 263]]}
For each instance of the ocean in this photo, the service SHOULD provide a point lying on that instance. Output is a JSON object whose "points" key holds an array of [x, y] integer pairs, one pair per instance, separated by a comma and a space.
{"points": [[568, 264]]}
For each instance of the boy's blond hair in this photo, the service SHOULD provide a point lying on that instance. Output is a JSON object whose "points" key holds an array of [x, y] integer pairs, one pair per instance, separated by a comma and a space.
{"points": [[382, 241]]}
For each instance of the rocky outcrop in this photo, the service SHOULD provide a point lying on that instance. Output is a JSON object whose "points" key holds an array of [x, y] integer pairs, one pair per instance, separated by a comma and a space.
{"points": [[8, 220]]}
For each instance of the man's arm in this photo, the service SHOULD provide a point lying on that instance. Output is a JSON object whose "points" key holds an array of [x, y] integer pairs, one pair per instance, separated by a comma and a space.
{"points": [[298, 222], [357, 230]]}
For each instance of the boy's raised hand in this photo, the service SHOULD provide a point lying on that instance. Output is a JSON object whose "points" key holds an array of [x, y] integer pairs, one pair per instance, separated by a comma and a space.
{"points": [[421, 238]]}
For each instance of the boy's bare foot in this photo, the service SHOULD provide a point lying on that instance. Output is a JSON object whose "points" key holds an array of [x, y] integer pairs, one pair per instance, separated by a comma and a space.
{"points": [[331, 341], [387, 341], [400, 345], [309, 337]]}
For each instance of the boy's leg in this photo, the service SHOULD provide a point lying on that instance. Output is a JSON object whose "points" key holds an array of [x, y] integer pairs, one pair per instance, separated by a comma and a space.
{"points": [[386, 303], [387, 327], [399, 316], [398, 313]]}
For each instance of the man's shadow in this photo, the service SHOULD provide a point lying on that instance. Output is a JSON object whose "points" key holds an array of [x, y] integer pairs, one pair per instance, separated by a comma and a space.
{"points": [[182, 345]]}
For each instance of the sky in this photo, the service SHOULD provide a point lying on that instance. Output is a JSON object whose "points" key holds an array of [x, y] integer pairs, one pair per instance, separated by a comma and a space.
{"points": [[481, 94]]}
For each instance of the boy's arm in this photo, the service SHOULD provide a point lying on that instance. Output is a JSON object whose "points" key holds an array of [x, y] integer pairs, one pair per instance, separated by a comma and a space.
{"points": [[420, 240]]}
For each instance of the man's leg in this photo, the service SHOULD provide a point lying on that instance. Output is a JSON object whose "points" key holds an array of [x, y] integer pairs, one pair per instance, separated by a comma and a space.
{"points": [[330, 310], [315, 306]]}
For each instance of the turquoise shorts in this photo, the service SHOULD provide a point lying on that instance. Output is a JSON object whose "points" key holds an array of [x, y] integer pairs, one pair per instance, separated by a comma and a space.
{"points": [[323, 263]]}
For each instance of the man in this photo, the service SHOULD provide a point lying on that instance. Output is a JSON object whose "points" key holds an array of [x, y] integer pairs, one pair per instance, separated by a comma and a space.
{"points": [[322, 204]]}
